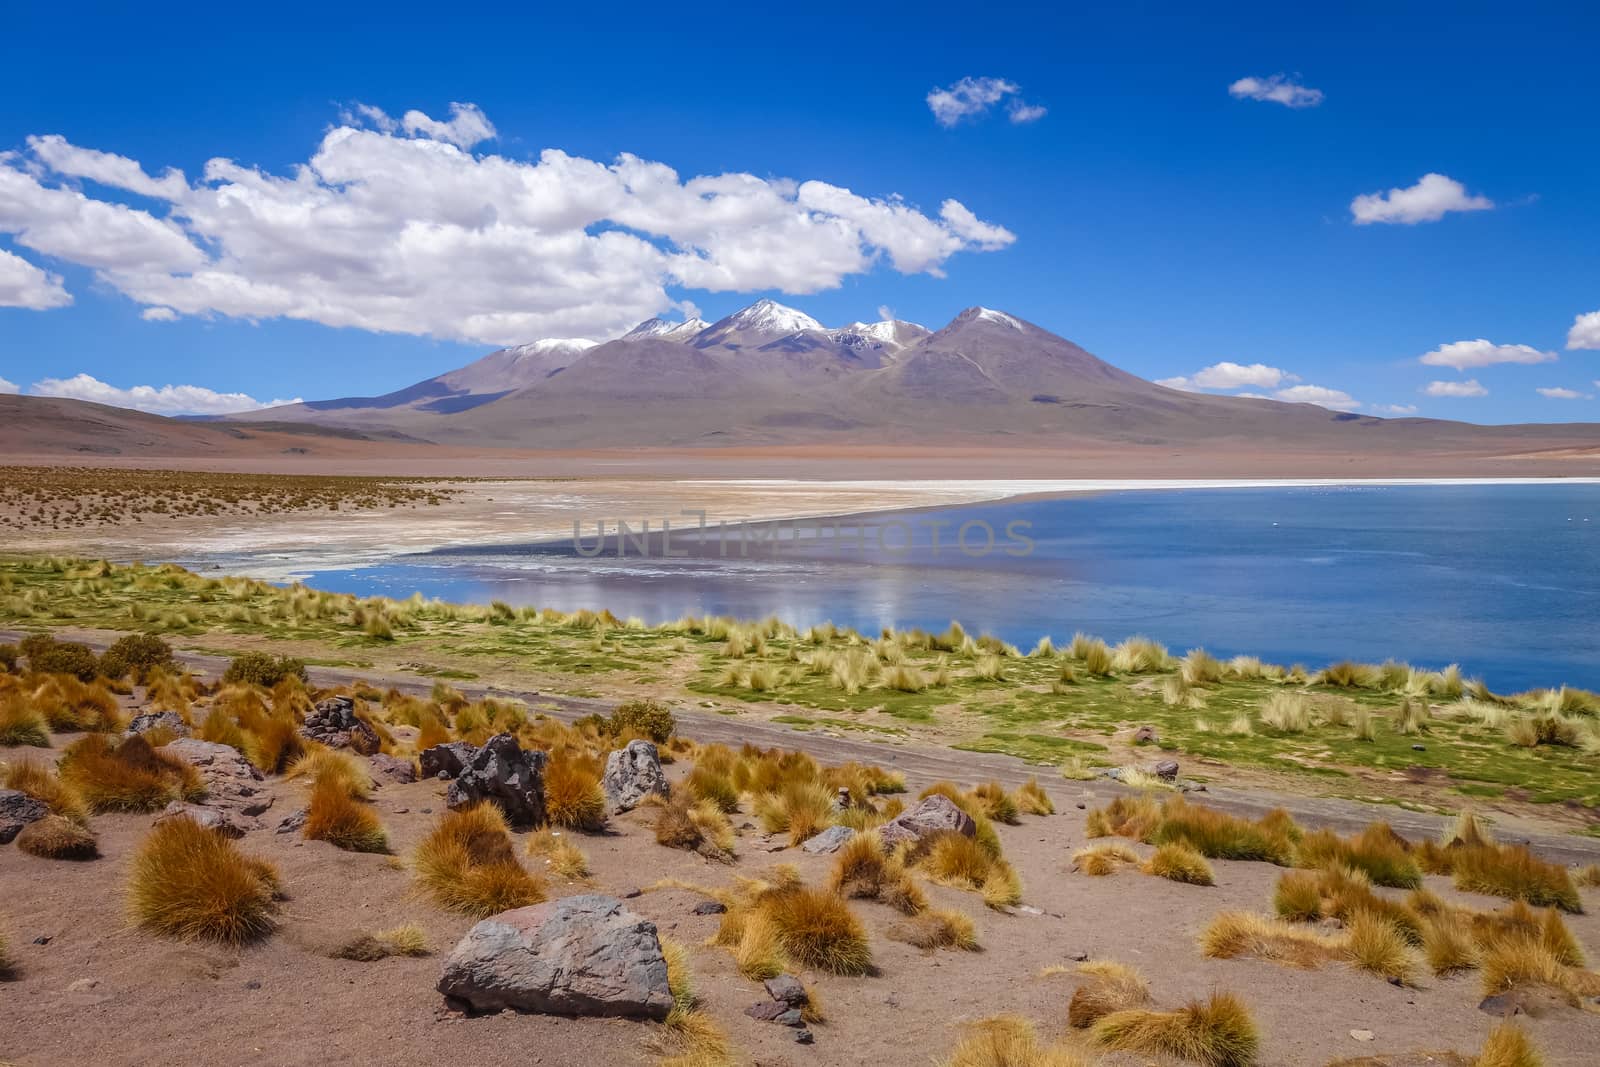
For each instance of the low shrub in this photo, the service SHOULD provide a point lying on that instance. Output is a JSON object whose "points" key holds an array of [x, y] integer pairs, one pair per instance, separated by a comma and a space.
{"points": [[643, 718], [127, 775], [1216, 1032], [137, 655], [1179, 863], [49, 656], [263, 669], [191, 883], [466, 863], [56, 838], [343, 821], [1110, 987]]}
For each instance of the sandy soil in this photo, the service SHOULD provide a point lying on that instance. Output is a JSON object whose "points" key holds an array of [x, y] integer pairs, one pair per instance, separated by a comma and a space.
{"points": [[99, 990]]}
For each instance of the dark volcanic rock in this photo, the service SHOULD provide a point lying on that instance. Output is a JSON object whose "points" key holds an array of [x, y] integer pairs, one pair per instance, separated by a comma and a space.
{"points": [[502, 772]]}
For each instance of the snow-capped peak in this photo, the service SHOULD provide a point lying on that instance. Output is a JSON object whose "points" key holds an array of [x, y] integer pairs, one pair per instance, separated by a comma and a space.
{"points": [[896, 332], [666, 330], [771, 317], [991, 315], [564, 345]]}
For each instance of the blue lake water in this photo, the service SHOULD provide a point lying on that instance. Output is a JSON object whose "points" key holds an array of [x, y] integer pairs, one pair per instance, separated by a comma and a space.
{"points": [[1503, 579]]}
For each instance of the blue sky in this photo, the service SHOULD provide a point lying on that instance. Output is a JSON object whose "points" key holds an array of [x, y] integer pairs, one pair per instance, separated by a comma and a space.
{"points": [[1148, 214]]}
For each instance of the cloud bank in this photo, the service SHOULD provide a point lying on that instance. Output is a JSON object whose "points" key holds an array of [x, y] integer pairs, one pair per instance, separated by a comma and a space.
{"points": [[397, 225], [1482, 353], [162, 400]]}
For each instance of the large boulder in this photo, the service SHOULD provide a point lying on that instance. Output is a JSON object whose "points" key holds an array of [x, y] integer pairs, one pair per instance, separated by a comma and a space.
{"points": [[935, 815], [151, 720], [334, 723], [828, 841], [584, 955], [232, 782], [633, 773], [502, 772], [447, 760], [18, 809]]}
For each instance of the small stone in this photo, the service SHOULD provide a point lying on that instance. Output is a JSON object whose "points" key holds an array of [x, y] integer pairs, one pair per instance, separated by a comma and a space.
{"points": [[43, 939], [709, 907], [1082, 806], [632, 893], [216, 819], [395, 769], [803, 1036], [252, 984], [83, 985], [170, 720], [1146, 735], [787, 989], [1078, 957], [294, 822], [828, 841], [18, 809], [790, 1017], [1166, 770], [1362, 1035], [1419, 748], [401, 811]]}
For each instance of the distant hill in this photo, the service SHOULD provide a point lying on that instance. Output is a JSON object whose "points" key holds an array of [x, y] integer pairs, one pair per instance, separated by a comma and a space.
{"points": [[771, 375]]}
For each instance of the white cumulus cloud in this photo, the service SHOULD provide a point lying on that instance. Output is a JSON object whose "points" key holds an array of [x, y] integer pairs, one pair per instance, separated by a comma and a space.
{"points": [[1276, 89], [162, 400], [975, 97], [1482, 353], [1229, 375], [1556, 392], [22, 285], [1395, 409], [467, 126], [1322, 396], [1470, 387], [1585, 332], [398, 226], [1433, 197], [8, 388], [158, 314]]}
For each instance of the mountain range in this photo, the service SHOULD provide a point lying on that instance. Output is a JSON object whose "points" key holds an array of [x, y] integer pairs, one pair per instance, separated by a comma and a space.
{"points": [[769, 374]]}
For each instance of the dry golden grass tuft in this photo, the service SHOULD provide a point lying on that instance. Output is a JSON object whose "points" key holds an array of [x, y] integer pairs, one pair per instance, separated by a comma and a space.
{"points": [[127, 775], [21, 724], [862, 870], [1340, 893], [1033, 800], [815, 928], [330, 765], [39, 780], [696, 827], [342, 820], [1100, 860], [559, 854], [191, 883], [407, 940], [1508, 1045], [1008, 1041], [800, 809], [1235, 935], [1110, 987], [466, 863], [1378, 852], [1216, 1032], [57, 838], [937, 928], [1179, 863], [1376, 944], [572, 794]]}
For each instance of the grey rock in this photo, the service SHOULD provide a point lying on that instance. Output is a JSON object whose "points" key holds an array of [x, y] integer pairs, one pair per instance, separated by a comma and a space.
{"points": [[710, 907], [503, 773], [232, 782], [790, 1017], [18, 809], [1146, 735], [448, 760], [1166, 770], [151, 720], [803, 1036], [218, 819], [394, 768], [936, 814], [633, 773], [334, 722], [583, 955], [294, 821], [829, 841], [787, 989]]}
